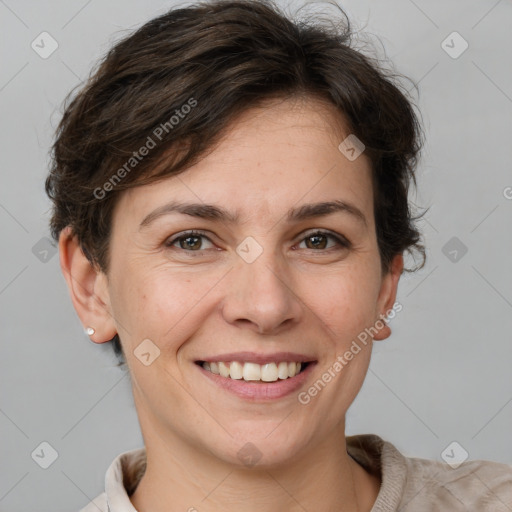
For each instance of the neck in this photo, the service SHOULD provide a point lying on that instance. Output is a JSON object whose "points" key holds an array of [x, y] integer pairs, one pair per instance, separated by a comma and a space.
{"points": [[179, 476]]}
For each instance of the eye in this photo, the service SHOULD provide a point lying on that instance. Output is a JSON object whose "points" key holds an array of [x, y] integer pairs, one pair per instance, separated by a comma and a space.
{"points": [[319, 237], [189, 241]]}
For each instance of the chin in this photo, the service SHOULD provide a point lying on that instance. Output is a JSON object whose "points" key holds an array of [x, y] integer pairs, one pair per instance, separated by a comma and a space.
{"points": [[259, 448]]}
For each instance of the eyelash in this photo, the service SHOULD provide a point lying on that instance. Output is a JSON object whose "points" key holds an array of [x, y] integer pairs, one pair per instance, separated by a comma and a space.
{"points": [[341, 241]]}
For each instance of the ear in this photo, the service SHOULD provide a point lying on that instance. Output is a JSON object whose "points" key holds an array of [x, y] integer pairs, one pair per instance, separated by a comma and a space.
{"points": [[387, 294], [87, 287]]}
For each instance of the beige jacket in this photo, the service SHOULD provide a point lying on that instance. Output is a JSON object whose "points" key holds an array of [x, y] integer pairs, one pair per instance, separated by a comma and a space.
{"points": [[408, 484]]}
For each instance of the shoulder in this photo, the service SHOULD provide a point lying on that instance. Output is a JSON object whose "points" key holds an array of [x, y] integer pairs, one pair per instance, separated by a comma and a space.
{"points": [[121, 479], [412, 484], [431, 485], [98, 504]]}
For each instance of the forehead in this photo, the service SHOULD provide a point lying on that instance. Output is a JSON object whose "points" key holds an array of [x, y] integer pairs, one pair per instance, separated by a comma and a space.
{"points": [[282, 153]]}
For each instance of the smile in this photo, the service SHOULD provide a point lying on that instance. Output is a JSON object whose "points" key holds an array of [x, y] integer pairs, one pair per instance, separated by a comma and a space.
{"points": [[254, 372], [257, 377]]}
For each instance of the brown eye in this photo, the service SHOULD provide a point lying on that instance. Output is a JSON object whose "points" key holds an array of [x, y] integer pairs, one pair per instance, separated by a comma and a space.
{"points": [[319, 239], [190, 241]]}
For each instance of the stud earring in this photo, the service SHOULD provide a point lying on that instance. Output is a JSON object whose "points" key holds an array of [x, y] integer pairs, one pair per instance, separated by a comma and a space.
{"points": [[90, 331]]}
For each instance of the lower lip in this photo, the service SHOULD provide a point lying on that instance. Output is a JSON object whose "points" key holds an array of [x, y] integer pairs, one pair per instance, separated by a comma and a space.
{"points": [[257, 390]]}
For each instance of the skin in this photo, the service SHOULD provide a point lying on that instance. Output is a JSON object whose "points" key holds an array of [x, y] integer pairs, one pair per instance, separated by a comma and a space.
{"points": [[296, 296]]}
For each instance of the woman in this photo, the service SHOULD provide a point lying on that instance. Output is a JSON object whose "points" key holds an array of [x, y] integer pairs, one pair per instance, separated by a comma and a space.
{"points": [[230, 201]]}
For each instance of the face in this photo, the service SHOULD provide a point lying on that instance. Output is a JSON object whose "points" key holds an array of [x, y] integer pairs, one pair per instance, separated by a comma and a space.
{"points": [[271, 286]]}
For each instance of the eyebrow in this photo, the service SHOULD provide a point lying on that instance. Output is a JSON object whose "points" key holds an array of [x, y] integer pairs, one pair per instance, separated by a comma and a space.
{"points": [[216, 213]]}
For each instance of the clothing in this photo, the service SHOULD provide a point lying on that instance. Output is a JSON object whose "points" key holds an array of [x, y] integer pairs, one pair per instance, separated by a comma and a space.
{"points": [[408, 484]]}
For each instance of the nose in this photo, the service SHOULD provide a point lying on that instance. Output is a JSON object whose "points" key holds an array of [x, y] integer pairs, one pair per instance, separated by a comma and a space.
{"points": [[260, 295]]}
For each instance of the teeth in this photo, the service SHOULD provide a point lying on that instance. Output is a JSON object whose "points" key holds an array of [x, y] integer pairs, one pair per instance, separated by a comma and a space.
{"points": [[282, 370], [269, 372], [223, 369], [252, 371], [235, 370]]}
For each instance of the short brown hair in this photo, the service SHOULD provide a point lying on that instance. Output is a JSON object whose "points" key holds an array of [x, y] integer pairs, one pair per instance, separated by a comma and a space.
{"points": [[186, 75]]}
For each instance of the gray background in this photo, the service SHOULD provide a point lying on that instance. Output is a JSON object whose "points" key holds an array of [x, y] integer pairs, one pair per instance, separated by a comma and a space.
{"points": [[443, 376]]}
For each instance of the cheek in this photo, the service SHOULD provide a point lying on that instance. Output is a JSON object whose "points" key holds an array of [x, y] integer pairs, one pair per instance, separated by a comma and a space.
{"points": [[345, 301], [162, 306]]}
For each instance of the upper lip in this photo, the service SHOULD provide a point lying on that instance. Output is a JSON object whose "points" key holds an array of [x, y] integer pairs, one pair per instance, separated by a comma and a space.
{"points": [[254, 357]]}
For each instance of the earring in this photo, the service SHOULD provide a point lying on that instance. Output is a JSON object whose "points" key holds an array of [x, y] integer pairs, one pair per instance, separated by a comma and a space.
{"points": [[90, 331]]}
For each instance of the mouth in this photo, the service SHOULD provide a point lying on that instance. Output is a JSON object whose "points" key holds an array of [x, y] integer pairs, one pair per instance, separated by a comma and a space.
{"points": [[255, 373], [257, 377]]}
